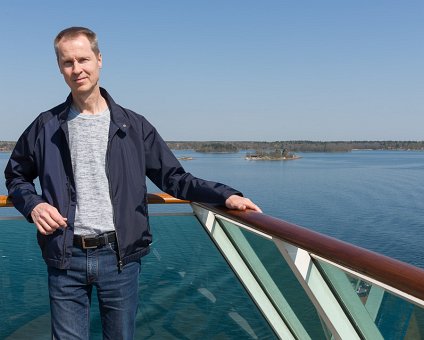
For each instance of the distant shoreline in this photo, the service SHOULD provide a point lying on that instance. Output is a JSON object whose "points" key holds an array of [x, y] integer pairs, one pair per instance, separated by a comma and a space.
{"points": [[294, 146], [291, 146]]}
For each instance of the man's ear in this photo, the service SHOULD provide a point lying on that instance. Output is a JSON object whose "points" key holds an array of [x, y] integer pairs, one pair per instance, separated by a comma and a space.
{"points": [[100, 60], [58, 65]]}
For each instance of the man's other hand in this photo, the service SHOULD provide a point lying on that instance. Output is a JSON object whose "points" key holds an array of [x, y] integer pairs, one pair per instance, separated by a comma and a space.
{"points": [[241, 203], [47, 218]]}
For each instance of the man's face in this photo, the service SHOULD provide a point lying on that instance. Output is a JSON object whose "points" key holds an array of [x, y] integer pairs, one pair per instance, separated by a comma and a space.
{"points": [[79, 65]]}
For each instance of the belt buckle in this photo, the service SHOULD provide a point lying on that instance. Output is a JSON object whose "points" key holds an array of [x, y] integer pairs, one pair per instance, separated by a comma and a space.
{"points": [[84, 246]]}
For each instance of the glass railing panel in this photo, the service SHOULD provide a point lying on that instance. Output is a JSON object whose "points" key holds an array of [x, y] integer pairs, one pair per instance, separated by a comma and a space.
{"points": [[377, 312], [187, 290], [24, 303], [278, 280]]}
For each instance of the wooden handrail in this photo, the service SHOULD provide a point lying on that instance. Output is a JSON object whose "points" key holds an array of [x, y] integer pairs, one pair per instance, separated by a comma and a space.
{"points": [[5, 201], [400, 275], [158, 198], [161, 198]]}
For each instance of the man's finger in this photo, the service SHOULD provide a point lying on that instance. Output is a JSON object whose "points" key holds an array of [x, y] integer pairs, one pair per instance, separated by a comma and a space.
{"points": [[241, 203], [43, 227], [47, 218], [254, 207]]}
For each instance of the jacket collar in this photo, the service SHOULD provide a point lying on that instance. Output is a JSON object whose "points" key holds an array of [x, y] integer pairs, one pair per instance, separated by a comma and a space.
{"points": [[117, 114]]}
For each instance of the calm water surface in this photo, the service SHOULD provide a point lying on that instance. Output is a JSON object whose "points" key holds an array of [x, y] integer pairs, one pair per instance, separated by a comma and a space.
{"points": [[374, 199]]}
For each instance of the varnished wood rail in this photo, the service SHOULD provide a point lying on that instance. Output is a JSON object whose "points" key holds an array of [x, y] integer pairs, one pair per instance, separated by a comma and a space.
{"points": [[159, 198], [5, 201]]}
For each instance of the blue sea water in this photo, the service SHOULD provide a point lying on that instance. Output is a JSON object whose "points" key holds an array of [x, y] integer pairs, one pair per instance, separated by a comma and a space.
{"points": [[373, 199]]}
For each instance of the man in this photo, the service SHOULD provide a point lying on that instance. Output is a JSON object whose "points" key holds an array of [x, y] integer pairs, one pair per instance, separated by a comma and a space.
{"points": [[92, 157]]}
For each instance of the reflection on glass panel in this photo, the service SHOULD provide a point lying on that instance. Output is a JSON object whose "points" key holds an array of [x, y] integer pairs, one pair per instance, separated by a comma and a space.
{"points": [[278, 280], [24, 305], [374, 309], [188, 290]]}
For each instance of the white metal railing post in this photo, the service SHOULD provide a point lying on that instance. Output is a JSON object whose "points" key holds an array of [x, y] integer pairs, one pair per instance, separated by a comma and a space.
{"points": [[207, 219], [318, 291]]}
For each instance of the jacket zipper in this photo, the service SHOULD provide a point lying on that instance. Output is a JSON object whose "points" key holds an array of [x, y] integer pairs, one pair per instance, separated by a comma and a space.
{"points": [[68, 186], [120, 264], [67, 213]]}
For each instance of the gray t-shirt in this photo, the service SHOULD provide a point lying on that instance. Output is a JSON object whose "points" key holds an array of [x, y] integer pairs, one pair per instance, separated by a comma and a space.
{"points": [[88, 139]]}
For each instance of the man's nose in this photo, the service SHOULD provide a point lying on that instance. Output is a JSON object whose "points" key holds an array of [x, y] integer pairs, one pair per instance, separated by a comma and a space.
{"points": [[76, 67]]}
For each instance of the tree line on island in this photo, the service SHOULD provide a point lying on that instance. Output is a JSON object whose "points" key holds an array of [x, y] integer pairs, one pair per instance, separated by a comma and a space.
{"points": [[294, 146], [278, 146], [6, 146]]}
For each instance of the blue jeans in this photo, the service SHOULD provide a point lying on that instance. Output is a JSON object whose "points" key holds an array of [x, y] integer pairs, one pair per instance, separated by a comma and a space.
{"points": [[117, 292]]}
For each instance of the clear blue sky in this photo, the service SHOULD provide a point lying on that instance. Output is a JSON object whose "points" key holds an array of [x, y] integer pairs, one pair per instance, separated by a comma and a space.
{"points": [[230, 69]]}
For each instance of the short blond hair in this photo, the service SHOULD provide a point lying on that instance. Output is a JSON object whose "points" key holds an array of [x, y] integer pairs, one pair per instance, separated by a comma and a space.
{"points": [[73, 32]]}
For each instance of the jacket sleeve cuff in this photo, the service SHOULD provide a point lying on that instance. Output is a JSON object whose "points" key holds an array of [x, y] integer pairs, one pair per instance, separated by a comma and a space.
{"points": [[229, 193], [29, 207]]}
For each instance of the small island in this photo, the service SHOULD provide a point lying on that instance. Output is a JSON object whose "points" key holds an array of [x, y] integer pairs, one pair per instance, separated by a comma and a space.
{"points": [[275, 155]]}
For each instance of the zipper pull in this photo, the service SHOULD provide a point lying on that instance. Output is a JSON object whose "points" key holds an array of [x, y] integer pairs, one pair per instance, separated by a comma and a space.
{"points": [[120, 265]]}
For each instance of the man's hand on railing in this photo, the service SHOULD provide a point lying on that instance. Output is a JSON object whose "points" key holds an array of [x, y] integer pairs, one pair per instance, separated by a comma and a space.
{"points": [[47, 218], [241, 203]]}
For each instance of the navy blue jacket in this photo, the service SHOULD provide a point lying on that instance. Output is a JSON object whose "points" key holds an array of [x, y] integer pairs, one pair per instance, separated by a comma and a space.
{"points": [[135, 150]]}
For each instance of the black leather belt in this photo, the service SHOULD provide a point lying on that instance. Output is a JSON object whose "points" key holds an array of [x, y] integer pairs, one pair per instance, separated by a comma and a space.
{"points": [[91, 242]]}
